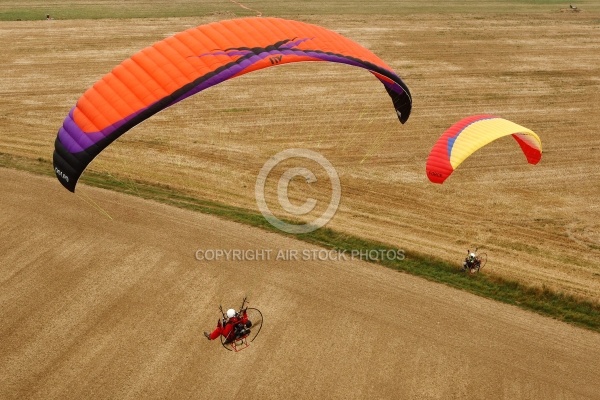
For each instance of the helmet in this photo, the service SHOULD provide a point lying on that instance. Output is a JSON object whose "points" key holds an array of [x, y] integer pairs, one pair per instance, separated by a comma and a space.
{"points": [[231, 313], [472, 255]]}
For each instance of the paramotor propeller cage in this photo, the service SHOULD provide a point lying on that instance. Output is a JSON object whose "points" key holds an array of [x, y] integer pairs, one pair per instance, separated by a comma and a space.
{"points": [[477, 265], [243, 341]]}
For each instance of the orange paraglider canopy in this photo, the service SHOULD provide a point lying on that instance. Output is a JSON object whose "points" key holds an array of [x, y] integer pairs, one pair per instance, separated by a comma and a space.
{"points": [[191, 61]]}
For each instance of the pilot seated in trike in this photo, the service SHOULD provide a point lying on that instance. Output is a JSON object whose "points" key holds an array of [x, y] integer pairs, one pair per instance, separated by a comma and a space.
{"points": [[234, 326]]}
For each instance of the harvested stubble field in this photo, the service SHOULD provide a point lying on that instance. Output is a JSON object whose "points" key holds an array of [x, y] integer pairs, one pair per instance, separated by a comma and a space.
{"points": [[538, 224]]}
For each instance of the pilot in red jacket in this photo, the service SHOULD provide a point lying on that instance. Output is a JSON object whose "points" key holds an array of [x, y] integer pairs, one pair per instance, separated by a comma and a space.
{"points": [[235, 325]]}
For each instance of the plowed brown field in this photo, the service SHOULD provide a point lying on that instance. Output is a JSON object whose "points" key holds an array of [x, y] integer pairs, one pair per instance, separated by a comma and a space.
{"points": [[94, 307]]}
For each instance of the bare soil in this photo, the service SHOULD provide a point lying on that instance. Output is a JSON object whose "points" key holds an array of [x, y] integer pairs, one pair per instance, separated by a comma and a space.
{"points": [[104, 307]]}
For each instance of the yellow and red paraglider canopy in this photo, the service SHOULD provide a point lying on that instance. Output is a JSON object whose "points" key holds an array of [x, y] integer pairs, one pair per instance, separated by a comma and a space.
{"points": [[470, 134]]}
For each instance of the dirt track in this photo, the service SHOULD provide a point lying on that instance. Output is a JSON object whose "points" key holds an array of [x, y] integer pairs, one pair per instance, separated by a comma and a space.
{"points": [[93, 307]]}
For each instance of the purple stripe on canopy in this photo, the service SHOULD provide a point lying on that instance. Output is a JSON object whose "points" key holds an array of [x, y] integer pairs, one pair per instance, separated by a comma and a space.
{"points": [[75, 140]]}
